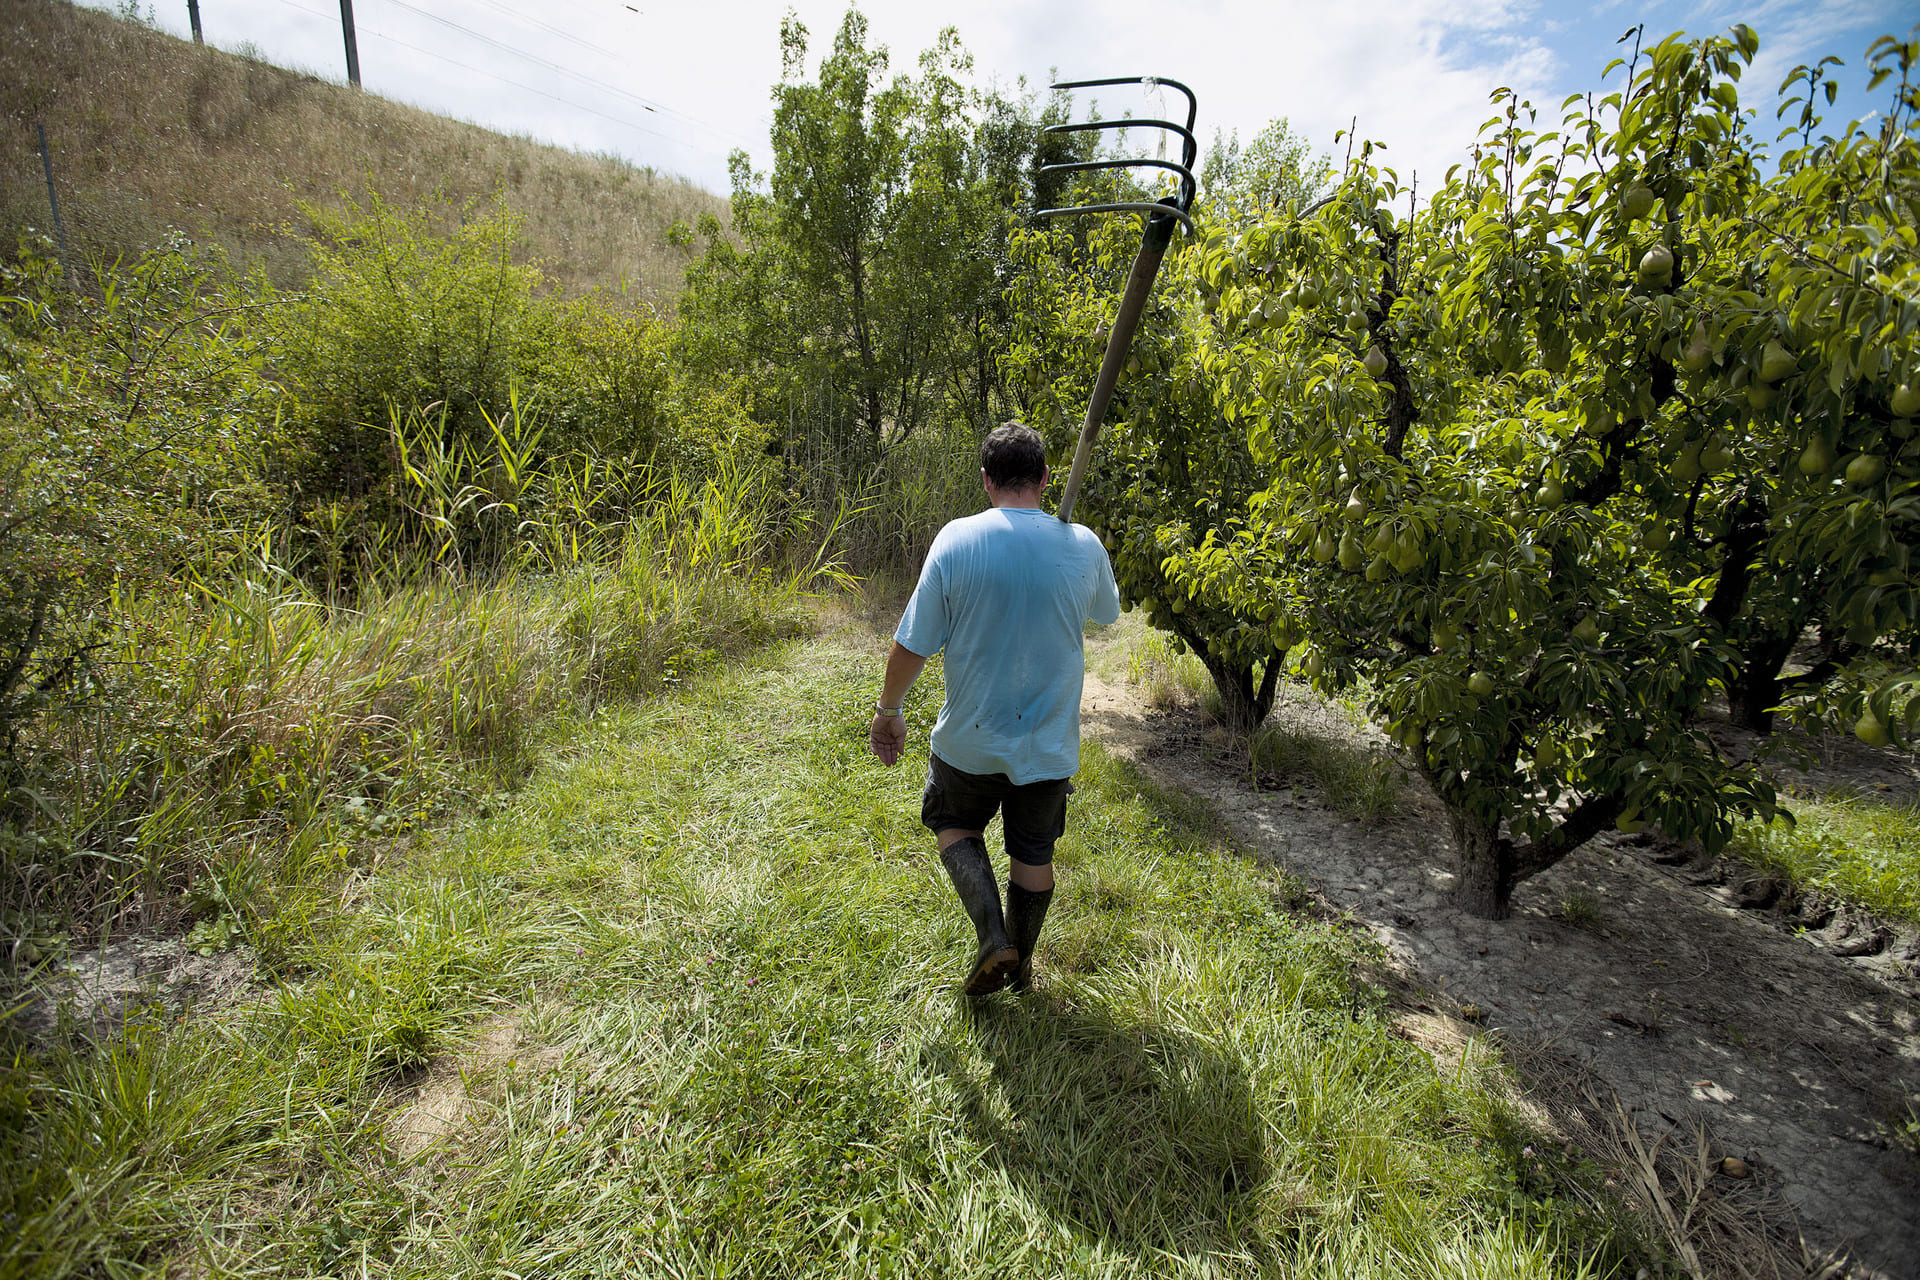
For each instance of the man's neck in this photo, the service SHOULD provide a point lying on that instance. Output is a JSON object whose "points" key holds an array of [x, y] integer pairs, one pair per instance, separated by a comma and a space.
{"points": [[1028, 498]]}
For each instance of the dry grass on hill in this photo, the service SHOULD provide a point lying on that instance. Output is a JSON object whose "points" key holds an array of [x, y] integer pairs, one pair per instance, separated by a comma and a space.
{"points": [[149, 132]]}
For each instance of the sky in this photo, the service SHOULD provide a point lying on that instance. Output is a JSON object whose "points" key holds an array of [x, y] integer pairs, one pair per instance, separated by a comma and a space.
{"points": [[679, 86]]}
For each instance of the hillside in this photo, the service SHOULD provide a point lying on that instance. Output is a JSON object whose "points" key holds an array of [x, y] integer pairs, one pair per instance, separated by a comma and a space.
{"points": [[149, 132]]}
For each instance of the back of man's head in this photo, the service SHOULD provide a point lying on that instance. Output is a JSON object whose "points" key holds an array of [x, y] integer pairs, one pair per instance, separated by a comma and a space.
{"points": [[1013, 456]]}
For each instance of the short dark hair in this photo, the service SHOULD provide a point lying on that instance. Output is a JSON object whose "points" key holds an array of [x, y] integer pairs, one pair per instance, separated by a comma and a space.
{"points": [[1014, 456]]}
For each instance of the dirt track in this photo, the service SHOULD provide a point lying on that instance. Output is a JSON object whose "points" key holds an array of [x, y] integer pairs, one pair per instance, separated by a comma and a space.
{"points": [[1691, 1009]]}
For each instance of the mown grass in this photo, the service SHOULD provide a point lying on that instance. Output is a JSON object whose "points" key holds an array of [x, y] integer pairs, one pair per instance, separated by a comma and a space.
{"points": [[1844, 844], [745, 959]]}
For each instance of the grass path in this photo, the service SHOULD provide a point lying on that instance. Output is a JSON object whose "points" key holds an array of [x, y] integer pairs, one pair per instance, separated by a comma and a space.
{"points": [[728, 961]]}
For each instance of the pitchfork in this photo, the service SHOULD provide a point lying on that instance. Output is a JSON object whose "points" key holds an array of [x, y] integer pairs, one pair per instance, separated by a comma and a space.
{"points": [[1162, 215]]}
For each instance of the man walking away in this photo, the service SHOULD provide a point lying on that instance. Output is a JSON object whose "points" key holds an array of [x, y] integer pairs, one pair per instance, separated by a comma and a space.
{"points": [[1006, 594]]}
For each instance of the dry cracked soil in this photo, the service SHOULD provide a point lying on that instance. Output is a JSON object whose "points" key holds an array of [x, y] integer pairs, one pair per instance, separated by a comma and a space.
{"points": [[1716, 1027]]}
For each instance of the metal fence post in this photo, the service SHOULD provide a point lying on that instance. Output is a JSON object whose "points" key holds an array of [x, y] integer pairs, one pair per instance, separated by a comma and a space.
{"points": [[53, 203]]}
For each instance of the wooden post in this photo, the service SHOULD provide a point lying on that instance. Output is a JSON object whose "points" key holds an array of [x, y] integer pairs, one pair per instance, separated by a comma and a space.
{"points": [[353, 46], [193, 16]]}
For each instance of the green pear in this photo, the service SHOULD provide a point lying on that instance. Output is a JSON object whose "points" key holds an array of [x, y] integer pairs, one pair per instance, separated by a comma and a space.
{"points": [[1657, 537], [1870, 731], [1759, 395], [1636, 201], [1550, 494], [1378, 568], [1714, 455], [1587, 630], [1356, 505], [1630, 822], [1324, 548], [1906, 401], [1480, 684], [1686, 468], [1656, 265], [1865, 469], [1376, 361], [1776, 362], [1816, 459], [1697, 355], [1351, 556], [1313, 665]]}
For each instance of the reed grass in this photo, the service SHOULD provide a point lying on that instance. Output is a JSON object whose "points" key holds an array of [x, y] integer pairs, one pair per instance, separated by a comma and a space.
{"points": [[244, 720]]}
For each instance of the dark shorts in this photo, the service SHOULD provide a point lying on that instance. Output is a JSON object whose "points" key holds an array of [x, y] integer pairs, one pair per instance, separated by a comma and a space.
{"points": [[1033, 815]]}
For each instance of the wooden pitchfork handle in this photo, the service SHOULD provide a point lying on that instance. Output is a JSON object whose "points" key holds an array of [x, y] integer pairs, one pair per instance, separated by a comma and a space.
{"points": [[1153, 247]]}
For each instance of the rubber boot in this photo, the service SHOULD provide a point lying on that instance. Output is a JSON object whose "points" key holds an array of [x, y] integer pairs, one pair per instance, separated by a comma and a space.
{"points": [[972, 874], [1026, 912]]}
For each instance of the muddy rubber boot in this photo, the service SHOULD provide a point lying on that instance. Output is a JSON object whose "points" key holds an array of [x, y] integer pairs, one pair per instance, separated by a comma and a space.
{"points": [[972, 874], [1026, 912]]}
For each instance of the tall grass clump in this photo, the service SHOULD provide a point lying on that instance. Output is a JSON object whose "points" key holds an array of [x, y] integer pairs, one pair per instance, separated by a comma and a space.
{"points": [[245, 600], [233, 728]]}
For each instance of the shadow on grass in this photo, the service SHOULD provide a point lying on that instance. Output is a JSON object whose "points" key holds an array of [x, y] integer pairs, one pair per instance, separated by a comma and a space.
{"points": [[1139, 1136]]}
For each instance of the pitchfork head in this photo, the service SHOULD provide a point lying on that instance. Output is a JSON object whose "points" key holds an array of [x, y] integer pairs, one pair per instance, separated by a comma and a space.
{"points": [[1173, 207]]}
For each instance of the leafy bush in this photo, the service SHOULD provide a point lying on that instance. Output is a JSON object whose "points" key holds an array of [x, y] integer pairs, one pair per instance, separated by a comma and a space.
{"points": [[429, 317]]}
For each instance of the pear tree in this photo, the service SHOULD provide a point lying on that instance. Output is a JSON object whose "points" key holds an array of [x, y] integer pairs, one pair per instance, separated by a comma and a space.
{"points": [[1173, 475], [1615, 425]]}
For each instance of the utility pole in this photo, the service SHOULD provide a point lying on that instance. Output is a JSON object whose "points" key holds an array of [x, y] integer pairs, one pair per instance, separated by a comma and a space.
{"points": [[353, 46], [193, 16]]}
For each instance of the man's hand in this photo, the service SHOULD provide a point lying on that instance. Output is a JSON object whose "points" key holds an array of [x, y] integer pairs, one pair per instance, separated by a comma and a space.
{"points": [[887, 738]]}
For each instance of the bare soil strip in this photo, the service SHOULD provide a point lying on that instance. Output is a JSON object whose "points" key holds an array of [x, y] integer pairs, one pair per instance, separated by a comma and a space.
{"points": [[1697, 1014]]}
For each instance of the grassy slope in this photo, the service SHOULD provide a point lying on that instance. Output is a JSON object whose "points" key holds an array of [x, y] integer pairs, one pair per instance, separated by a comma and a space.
{"points": [[143, 127], [722, 919]]}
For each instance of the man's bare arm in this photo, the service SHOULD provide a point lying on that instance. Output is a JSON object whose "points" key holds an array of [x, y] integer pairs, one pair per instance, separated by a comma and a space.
{"points": [[888, 735]]}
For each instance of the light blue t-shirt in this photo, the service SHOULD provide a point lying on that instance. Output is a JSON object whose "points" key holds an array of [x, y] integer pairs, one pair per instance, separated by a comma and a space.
{"points": [[1006, 594]]}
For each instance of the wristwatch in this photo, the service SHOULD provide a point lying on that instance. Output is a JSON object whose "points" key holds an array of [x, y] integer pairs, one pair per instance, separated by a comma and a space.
{"points": [[889, 711]]}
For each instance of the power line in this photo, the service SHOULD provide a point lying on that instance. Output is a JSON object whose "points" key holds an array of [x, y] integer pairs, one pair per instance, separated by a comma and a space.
{"points": [[492, 75], [649, 103]]}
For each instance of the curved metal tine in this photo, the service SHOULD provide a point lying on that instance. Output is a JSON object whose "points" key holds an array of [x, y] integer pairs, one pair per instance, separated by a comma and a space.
{"points": [[1193, 104], [1190, 148], [1125, 206], [1185, 174]]}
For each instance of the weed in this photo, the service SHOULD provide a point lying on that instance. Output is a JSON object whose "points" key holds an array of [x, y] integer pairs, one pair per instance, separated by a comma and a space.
{"points": [[1358, 782], [1579, 907], [1168, 678], [1847, 844]]}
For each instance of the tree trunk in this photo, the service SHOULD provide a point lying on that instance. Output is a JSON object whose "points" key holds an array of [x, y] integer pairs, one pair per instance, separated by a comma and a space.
{"points": [[1753, 696], [1484, 886], [1244, 703], [1492, 866]]}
